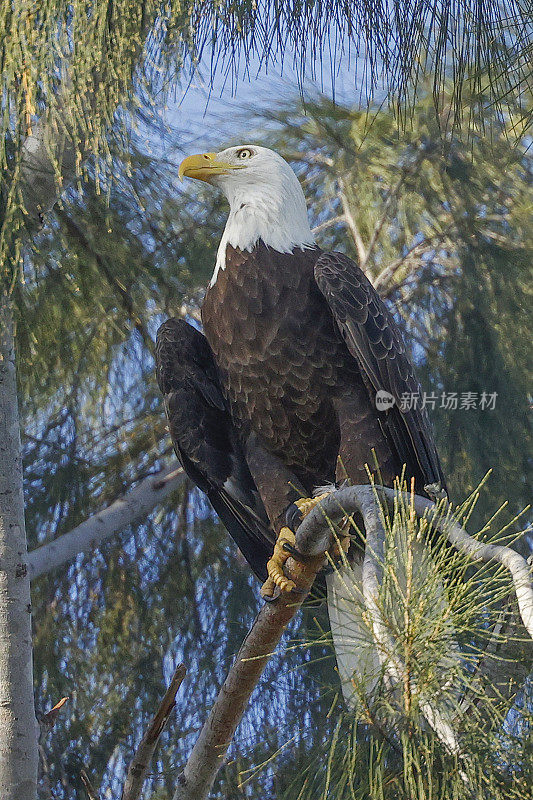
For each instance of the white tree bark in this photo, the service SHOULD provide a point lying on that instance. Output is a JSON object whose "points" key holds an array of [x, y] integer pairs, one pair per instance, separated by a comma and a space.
{"points": [[313, 538], [124, 511], [18, 725]]}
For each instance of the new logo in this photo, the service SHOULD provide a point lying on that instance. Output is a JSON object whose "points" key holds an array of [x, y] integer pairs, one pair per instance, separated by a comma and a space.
{"points": [[384, 400]]}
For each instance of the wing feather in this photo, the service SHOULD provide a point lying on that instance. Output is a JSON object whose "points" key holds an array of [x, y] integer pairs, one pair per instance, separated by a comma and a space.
{"points": [[374, 339], [205, 439]]}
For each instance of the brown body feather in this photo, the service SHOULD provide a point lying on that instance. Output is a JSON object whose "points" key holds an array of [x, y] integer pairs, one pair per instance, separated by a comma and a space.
{"points": [[298, 395]]}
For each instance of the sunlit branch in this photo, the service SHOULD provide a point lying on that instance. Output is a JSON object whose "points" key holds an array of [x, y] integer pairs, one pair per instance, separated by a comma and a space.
{"points": [[392, 665], [91, 793], [260, 643], [352, 225], [329, 223], [133, 506], [46, 723]]}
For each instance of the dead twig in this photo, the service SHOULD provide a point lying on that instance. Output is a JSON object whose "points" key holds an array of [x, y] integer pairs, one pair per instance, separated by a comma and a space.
{"points": [[46, 723], [50, 717], [141, 760], [91, 793]]}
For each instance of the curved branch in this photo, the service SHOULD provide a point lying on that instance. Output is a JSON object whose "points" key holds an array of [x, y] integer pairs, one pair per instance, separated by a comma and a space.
{"points": [[392, 665], [480, 551], [315, 536], [350, 499]]}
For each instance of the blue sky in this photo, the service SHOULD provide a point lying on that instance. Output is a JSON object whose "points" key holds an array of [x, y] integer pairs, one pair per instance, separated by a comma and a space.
{"points": [[210, 115]]}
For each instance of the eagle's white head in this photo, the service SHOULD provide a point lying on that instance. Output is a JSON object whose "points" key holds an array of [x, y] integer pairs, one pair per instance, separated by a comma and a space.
{"points": [[265, 197]]}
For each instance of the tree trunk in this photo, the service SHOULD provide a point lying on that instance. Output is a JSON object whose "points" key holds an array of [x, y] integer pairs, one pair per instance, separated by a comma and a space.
{"points": [[18, 726]]}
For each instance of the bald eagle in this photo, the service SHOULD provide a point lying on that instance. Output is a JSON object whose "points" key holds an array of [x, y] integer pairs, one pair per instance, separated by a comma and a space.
{"points": [[278, 396]]}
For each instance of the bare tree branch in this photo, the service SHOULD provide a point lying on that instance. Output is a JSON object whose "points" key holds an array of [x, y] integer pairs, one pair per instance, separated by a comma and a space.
{"points": [[313, 538], [386, 650], [215, 737], [139, 764], [124, 511], [329, 223], [91, 793], [384, 279], [351, 223]]}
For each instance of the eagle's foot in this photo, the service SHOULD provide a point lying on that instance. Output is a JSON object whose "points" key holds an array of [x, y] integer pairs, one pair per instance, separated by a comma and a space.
{"points": [[276, 576], [285, 546], [306, 504], [300, 509]]}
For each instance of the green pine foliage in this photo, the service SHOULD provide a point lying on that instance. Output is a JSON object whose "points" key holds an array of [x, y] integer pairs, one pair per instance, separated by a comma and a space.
{"points": [[453, 631], [110, 265], [445, 229], [69, 70]]}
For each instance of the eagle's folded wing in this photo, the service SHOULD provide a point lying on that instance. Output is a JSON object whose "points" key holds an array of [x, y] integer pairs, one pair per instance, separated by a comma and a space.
{"points": [[205, 440], [374, 339]]}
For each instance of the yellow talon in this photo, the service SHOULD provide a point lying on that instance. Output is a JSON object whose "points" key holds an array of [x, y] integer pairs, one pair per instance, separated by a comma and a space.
{"points": [[276, 576], [306, 504]]}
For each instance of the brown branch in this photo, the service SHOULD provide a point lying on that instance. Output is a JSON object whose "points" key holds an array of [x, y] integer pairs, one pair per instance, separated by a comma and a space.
{"points": [[91, 793], [215, 737], [139, 764]]}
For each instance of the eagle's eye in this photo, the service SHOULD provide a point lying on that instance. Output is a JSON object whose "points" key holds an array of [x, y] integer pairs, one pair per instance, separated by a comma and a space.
{"points": [[245, 152]]}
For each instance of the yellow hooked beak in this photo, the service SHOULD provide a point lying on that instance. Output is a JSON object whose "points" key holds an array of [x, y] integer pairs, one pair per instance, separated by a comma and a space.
{"points": [[204, 166]]}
